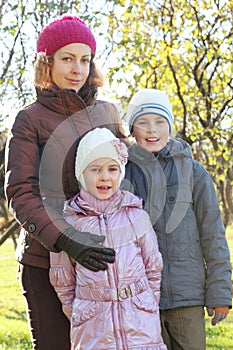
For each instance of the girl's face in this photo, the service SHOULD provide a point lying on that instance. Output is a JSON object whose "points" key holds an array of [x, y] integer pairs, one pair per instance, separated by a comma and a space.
{"points": [[151, 132], [71, 66], [102, 178]]}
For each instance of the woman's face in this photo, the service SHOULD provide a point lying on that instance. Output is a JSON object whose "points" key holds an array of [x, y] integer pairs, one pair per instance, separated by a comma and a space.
{"points": [[71, 66]]}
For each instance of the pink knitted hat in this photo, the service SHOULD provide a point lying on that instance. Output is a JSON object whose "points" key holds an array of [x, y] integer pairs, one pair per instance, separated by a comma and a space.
{"points": [[63, 31]]}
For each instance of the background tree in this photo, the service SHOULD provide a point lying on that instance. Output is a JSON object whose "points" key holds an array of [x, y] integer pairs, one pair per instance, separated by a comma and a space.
{"points": [[183, 47]]}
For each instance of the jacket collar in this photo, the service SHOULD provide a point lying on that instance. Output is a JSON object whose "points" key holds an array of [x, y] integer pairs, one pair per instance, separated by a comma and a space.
{"points": [[65, 102], [174, 148], [86, 204]]}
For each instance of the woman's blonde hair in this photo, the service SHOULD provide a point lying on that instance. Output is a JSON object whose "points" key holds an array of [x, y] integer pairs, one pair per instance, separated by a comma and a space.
{"points": [[42, 78]]}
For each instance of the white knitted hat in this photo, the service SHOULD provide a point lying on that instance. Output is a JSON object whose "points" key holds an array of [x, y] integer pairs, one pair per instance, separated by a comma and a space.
{"points": [[99, 143], [150, 101]]}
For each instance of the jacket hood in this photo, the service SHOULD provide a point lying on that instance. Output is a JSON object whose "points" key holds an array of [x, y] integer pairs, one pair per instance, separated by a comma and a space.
{"points": [[174, 148], [86, 204]]}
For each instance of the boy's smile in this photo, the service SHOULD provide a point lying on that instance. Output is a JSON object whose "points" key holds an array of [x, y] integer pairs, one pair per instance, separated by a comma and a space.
{"points": [[151, 132]]}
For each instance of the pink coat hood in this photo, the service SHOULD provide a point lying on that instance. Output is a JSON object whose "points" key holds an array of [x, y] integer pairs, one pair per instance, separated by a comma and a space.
{"points": [[117, 308]]}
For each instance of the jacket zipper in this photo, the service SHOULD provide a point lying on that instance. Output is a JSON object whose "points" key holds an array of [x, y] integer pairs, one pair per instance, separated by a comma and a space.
{"points": [[116, 279], [105, 219]]}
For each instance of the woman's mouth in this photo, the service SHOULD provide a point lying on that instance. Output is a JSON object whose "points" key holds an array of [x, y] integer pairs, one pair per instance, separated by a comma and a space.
{"points": [[73, 81]]}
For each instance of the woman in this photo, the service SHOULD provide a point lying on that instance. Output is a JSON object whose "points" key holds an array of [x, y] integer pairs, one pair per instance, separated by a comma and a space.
{"points": [[40, 169]]}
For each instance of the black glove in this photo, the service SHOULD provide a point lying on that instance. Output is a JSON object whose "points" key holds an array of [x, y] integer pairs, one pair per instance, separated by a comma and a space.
{"points": [[84, 248]]}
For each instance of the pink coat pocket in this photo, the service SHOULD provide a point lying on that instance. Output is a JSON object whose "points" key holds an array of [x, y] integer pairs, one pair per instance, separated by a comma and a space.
{"points": [[145, 301], [84, 311]]}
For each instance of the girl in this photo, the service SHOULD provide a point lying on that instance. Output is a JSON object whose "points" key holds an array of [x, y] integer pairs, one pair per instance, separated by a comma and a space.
{"points": [[116, 308]]}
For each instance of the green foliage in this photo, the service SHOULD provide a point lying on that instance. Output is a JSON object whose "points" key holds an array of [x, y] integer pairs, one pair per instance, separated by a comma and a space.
{"points": [[183, 47]]}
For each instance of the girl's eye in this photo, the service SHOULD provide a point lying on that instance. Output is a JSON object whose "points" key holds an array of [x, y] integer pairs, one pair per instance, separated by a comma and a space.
{"points": [[94, 170], [114, 169]]}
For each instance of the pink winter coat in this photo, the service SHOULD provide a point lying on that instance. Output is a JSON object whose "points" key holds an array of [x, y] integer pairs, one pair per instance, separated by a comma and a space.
{"points": [[116, 308]]}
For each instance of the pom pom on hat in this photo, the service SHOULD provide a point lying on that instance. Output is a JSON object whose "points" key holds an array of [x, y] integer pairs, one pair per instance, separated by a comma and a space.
{"points": [[99, 143], [150, 101], [63, 31]]}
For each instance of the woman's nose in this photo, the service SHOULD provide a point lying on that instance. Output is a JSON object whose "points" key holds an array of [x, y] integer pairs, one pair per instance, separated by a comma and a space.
{"points": [[76, 67]]}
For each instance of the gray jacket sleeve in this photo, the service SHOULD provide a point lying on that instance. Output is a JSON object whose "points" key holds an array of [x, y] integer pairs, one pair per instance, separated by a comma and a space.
{"points": [[213, 241]]}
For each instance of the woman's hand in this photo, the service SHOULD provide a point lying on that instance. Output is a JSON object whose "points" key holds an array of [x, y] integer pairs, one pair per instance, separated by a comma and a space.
{"points": [[85, 248]]}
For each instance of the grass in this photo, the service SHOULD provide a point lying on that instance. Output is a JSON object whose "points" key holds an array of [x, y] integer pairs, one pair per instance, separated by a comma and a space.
{"points": [[14, 334]]}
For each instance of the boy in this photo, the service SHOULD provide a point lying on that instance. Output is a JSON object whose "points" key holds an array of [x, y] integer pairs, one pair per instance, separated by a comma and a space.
{"points": [[180, 198]]}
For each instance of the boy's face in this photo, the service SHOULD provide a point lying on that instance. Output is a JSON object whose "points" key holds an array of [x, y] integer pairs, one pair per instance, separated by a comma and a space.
{"points": [[151, 132], [102, 178]]}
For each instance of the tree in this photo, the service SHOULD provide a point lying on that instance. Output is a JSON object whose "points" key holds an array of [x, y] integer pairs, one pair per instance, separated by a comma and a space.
{"points": [[20, 25], [183, 47]]}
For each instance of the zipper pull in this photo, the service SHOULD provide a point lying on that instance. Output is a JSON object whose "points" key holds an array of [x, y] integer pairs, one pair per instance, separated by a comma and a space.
{"points": [[105, 218]]}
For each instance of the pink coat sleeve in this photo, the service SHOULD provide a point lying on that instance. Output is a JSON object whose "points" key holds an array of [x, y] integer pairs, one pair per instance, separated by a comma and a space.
{"points": [[152, 259], [62, 278]]}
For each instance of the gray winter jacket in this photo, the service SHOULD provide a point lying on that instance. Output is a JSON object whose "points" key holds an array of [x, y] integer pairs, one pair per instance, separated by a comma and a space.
{"points": [[180, 198]]}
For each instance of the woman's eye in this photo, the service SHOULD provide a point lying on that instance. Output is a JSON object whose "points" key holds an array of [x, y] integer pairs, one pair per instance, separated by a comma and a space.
{"points": [[67, 59], [86, 60]]}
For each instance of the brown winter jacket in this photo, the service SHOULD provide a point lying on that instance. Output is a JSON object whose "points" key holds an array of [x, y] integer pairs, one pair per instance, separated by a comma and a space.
{"points": [[40, 159]]}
